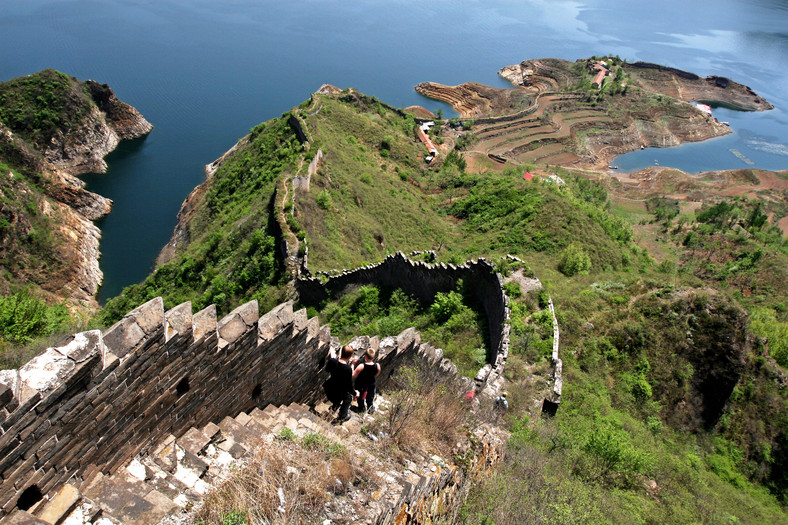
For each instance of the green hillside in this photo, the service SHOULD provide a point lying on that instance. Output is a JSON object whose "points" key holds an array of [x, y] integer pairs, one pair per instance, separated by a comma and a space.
{"points": [[39, 106], [673, 410]]}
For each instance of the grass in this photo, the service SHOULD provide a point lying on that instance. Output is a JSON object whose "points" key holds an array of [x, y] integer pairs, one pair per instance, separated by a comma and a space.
{"points": [[232, 254], [616, 453], [424, 416], [307, 471], [38, 106], [453, 322], [646, 433]]}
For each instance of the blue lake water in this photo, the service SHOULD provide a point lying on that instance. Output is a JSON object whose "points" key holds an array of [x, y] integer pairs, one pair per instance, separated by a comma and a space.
{"points": [[204, 72]]}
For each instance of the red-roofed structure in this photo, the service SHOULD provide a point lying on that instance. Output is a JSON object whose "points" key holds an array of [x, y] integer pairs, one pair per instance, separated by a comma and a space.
{"points": [[528, 175], [427, 142], [602, 71]]}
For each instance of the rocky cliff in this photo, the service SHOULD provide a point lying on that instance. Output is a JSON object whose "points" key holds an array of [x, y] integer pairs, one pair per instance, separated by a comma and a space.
{"points": [[53, 127]]}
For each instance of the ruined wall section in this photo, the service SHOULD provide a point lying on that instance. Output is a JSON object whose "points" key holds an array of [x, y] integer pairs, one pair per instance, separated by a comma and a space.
{"points": [[424, 281], [98, 400]]}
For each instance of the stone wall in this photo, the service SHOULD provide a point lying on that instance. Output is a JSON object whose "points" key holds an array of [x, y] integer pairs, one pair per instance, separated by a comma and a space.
{"points": [[553, 399], [99, 399], [424, 281]]}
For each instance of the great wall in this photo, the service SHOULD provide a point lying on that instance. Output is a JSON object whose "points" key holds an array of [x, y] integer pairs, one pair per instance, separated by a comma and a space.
{"points": [[137, 422], [81, 419]]}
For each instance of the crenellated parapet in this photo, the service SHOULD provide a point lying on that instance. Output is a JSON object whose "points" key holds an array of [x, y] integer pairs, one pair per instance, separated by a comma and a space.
{"points": [[98, 399], [95, 401], [424, 281]]}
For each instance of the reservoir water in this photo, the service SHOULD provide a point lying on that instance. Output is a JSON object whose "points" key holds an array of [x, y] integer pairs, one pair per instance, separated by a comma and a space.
{"points": [[204, 72]]}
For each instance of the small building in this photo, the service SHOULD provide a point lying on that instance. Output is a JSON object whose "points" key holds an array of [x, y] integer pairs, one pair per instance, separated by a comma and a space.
{"points": [[528, 175], [602, 72], [426, 140]]}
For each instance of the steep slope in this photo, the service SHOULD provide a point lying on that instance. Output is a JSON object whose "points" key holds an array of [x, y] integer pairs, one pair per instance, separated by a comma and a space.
{"points": [[53, 127], [670, 404], [263, 210]]}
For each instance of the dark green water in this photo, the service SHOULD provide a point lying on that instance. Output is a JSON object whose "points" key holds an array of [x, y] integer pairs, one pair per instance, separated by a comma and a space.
{"points": [[205, 72]]}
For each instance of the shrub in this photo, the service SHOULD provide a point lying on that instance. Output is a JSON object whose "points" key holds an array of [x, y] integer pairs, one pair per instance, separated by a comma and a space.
{"points": [[574, 261], [286, 434], [446, 305], [513, 290], [24, 317], [324, 200]]}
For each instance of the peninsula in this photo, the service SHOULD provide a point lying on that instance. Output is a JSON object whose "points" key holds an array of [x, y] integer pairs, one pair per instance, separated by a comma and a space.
{"points": [[52, 128], [583, 114]]}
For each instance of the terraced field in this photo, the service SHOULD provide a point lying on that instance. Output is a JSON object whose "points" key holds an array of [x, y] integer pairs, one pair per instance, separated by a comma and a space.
{"points": [[543, 135], [556, 114]]}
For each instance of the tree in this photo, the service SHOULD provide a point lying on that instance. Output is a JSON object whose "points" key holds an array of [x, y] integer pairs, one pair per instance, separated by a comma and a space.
{"points": [[574, 261]]}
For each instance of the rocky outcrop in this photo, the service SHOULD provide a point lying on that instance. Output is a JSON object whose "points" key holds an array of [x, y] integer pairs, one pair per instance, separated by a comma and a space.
{"points": [[93, 123], [474, 100], [556, 115], [692, 88], [82, 150], [692, 126]]}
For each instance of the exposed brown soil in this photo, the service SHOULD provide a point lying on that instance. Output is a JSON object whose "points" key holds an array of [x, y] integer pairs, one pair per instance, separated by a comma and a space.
{"points": [[420, 112], [783, 224], [692, 190], [550, 118]]}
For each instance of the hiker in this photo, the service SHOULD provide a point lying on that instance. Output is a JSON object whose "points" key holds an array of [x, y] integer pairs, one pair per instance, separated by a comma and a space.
{"points": [[339, 386], [365, 374], [501, 403]]}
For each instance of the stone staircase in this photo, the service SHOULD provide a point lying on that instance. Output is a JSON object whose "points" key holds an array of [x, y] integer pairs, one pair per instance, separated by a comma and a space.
{"points": [[178, 473]]}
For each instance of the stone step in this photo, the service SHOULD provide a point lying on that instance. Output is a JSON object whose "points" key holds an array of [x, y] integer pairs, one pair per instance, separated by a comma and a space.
{"points": [[129, 501], [194, 441], [21, 517], [168, 483], [59, 507], [88, 511], [230, 427]]}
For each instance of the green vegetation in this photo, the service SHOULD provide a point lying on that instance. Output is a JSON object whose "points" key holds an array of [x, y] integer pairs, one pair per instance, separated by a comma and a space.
{"points": [[672, 412], [39, 106], [574, 261], [25, 321], [641, 435], [452, 322], [24, 316], [232, 253], [28, 243]]}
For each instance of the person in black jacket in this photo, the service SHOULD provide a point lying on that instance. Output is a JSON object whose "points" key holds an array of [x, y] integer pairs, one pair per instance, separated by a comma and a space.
{"points": [[365, 374], [339, 386]]}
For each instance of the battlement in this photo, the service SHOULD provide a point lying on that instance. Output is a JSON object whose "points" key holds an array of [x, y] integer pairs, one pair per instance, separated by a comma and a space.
{"points": [[98, 399]]}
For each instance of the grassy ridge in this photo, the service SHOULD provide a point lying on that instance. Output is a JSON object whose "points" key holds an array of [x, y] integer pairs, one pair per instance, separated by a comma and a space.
{"points": [[374, 196], [232, 255], [363, 204]]}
